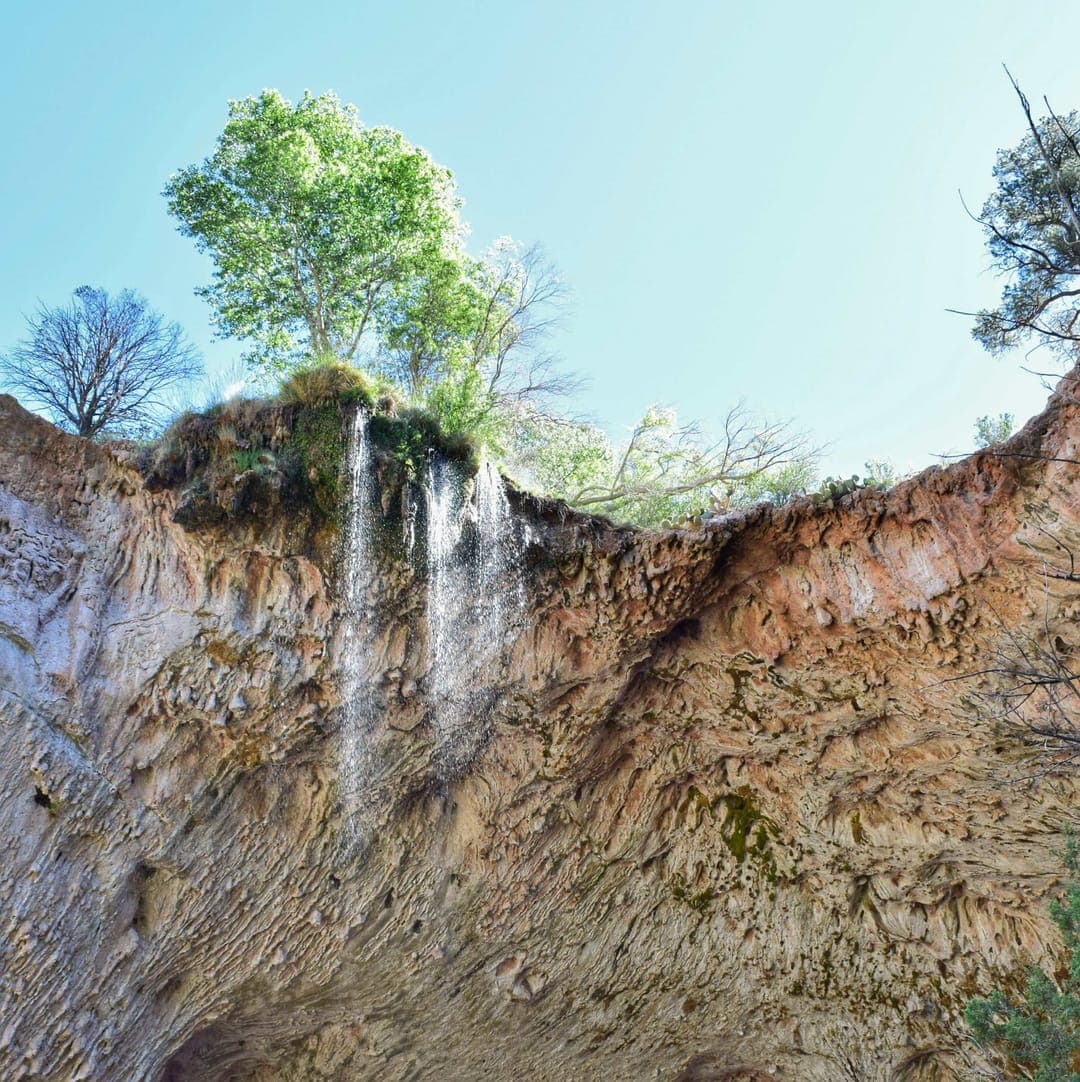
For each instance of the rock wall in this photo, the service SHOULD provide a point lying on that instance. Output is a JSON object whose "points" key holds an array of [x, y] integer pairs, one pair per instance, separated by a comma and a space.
{"points": [[741, 808]]}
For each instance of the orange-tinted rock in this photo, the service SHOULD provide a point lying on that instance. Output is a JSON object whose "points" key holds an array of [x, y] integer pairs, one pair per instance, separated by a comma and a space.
{"points": [[741, 812]]}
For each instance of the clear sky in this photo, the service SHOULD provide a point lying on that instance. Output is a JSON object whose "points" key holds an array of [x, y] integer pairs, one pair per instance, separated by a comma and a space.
{"points": [[750, 201]]}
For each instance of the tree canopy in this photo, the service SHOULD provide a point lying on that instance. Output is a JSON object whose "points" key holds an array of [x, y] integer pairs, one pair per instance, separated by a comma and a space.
{"points": [[339, 241], [664, 470], [330, 238], [320, 228], [1032, 224]]}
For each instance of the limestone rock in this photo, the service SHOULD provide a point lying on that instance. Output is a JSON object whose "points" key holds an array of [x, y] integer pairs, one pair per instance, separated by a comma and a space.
{"points": [[738, 810]]}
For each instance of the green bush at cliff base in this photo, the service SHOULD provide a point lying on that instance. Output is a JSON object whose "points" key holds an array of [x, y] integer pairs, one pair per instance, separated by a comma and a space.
{"points": [[1040, 1036]]}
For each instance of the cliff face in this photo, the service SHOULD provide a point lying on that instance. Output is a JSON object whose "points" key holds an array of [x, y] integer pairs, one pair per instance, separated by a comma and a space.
{"points": [[737, 806]]}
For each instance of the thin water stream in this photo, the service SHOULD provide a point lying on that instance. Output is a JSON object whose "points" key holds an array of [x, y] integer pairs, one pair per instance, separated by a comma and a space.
{"points": [[360, 701]]}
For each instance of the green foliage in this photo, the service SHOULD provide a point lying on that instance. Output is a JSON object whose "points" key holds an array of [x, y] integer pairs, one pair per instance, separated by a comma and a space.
{"points": [[464, 406], [836, 488], [1033, 233], [332, 240], [779, 485], [647, 481], [315, 223], [880, 474], [413, 437], [990, 430], [434, 318], [1042, 1034], [252, 458], [558, 457], [408, 438]]}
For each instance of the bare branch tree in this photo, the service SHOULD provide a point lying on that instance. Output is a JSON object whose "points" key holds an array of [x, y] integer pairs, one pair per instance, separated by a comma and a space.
{"points": [[482, 322], [661, 458], [100, 364], [1038, 697], [524, 298], [1033, 680]]}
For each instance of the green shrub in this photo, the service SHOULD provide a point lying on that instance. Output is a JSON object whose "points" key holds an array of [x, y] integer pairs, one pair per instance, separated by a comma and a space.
{"points": [[1041, 1036], [466, 410], [990, 430], [778, 486], [252, 458]]}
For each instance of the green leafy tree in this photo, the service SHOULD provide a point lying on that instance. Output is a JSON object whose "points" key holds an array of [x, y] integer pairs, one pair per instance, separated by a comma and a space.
{"points": [[557, 456], [431, 320], [990, 430], [317, 225], [1032, 224], [1041, 1036], [331, 239], [464, 406], [493, 314]]}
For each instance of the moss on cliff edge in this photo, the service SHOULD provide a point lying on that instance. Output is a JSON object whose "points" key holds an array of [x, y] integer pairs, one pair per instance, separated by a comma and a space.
{"points": [[249, 459]]}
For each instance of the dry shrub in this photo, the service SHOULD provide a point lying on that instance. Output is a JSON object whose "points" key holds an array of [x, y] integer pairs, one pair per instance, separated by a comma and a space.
{"points": [[323, 382], [245, 413]]}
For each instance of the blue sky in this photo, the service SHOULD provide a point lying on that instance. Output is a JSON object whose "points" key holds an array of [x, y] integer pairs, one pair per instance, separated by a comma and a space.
{"points": [[749, 201]]}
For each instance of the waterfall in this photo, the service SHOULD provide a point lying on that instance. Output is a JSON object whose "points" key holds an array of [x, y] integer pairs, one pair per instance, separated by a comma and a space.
{"points": [[360, 707], [475, 599], [471, 548]]}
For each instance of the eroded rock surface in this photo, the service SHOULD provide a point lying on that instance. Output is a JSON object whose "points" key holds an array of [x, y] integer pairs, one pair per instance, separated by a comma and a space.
{"points": [[738, 810]]}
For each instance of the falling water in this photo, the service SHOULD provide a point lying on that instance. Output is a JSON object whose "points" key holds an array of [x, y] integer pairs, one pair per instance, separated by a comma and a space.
{"points": [[409, 514], [497, 557], [360, 706], [475, 597]]}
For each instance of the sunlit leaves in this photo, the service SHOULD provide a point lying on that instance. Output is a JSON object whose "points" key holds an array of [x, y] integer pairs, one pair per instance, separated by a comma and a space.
{"points": [[664, 470], [315, 224]]}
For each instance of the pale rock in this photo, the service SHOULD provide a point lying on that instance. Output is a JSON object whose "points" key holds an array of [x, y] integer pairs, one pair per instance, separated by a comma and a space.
{"points": [[731, 814]]}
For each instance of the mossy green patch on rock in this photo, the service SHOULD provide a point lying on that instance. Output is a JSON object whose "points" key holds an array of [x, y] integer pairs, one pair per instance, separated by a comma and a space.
{"points": [[681, 891], [317, 448], [745, 829], [411, 438]]}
